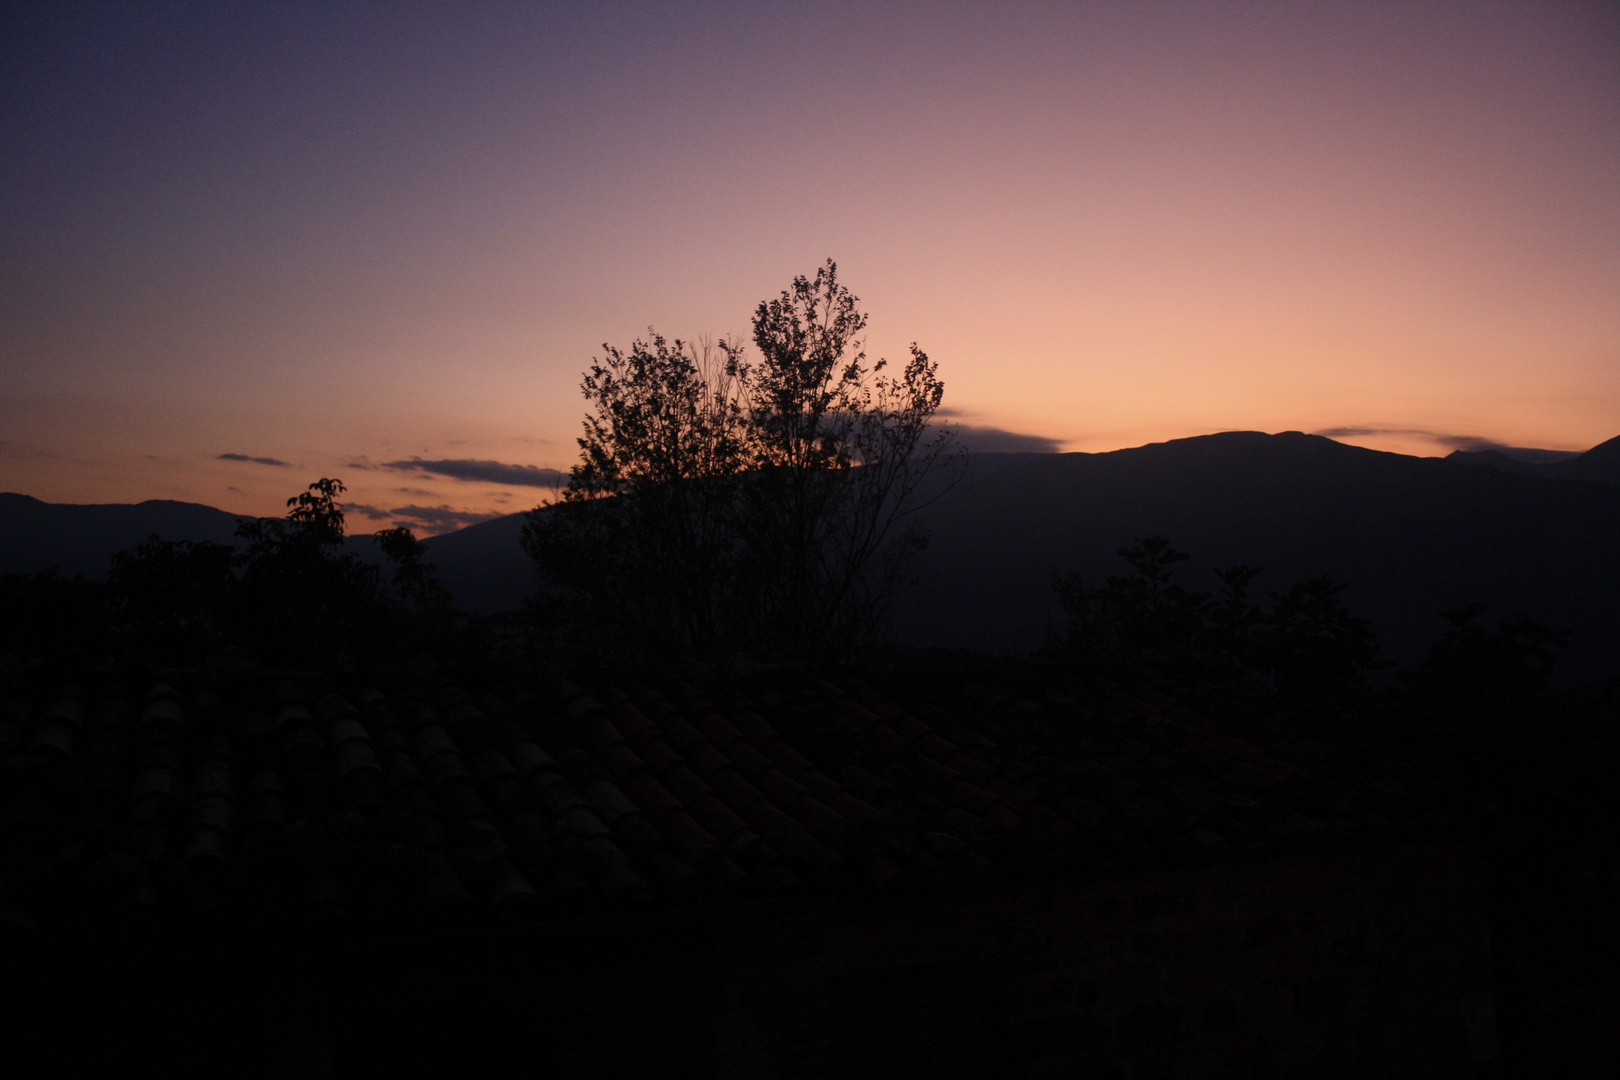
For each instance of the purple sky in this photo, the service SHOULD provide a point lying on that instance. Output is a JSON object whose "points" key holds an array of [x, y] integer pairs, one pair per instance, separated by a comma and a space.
{"points": [[248, 246]]}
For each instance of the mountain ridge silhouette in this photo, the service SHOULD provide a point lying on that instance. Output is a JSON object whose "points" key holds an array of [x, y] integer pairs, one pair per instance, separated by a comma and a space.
{"points": [[81, 538], [1601, 463], [1407, 535]]}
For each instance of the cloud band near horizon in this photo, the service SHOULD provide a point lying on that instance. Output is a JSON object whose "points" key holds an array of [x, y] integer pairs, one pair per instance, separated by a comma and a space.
{"points": [[249, 458], [496, 472], [1467, 443], [984, 439], [428, 519]]}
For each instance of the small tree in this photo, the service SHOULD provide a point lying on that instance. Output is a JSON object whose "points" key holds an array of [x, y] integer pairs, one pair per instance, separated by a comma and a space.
{"points": [[416, 585], [721, 500], [1316, 650], [298, 588], [299, 592], [1135, 613], [839, 455], [1479, 671]]}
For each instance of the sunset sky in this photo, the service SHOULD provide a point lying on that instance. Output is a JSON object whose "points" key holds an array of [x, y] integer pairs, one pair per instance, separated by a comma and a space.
{"points": [[245, 246]]}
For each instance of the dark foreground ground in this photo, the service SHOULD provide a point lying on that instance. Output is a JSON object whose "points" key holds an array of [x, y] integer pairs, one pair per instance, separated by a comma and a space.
{"points": [[960, 867]]}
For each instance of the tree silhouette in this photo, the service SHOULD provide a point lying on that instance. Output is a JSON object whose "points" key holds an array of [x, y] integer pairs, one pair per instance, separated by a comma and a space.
{"points": [[839, 454], [298, 589], [289, 591], [1306, 646], [1480, 671], [415, 581], [1315, 649], [642, 542], [722, 500], [1135, 614]]}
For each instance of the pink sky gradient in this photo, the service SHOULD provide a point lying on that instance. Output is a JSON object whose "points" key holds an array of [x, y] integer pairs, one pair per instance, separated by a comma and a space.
{"points": [[342, 239]]}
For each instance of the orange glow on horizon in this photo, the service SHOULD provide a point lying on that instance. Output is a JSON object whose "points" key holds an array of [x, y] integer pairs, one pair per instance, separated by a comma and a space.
{"points": [[1109, 226]]}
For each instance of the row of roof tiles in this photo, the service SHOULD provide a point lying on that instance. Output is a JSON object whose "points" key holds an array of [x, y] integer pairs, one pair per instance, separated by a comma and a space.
{"points": [[286, 803]]}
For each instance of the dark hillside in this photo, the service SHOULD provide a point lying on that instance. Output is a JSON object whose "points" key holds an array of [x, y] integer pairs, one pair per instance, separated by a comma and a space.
{"points": [[1408, 535], [81, 539], [483, 566]]}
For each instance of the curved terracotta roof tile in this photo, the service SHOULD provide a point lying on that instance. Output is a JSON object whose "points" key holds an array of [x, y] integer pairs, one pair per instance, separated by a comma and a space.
{"points": [[720, 820], [732, 789], [751, 725], [634, 724], [682, 828], [706, 758]]}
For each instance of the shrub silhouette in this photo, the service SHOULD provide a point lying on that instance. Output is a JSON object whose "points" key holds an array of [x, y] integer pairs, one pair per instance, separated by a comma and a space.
{"points": [[1306, 646]]}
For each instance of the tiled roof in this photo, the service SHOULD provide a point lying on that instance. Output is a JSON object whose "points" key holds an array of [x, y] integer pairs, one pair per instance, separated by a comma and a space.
{"points": [[257, 802]]}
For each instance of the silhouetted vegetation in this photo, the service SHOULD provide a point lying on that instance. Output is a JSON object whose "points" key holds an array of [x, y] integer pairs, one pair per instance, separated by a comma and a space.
{"points": [[1305, 646], [668, 550], [48, 614], [1474, 695], [722, 502], [1475, 670], [289, 593], [297, 584], [174, 595], [1465, 709]]}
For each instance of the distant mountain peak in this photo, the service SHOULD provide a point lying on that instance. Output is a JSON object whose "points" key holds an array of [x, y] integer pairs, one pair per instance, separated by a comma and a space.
{"points": [[1607, 451], [1600, 464]]}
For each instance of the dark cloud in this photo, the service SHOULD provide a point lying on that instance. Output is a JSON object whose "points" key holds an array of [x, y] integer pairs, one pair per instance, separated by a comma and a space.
{"points": [[373, 512], [979, 439], [1469, 443], [256, 460], [1456, 442], [494, 472], [433, 519], [983, 439]]}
